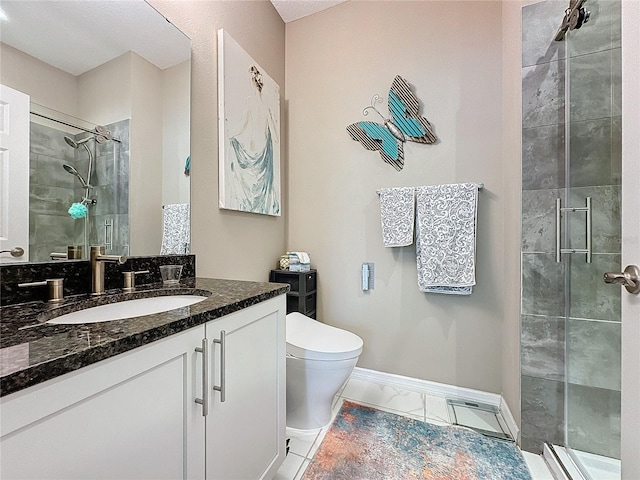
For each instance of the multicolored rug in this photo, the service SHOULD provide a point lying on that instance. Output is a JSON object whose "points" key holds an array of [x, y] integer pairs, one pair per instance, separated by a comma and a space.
{"points": [[366, 443]]}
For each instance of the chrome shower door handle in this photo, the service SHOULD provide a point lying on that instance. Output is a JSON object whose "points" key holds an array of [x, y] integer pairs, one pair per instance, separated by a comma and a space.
{"points": [[108, 233], [630, 278], [558, 230], [204, 401], [559, 210], [221, 388]]}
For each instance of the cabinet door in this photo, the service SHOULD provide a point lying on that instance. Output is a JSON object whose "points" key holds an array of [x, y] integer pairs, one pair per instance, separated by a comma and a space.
{"points": [[246, 432], [129, 417]]}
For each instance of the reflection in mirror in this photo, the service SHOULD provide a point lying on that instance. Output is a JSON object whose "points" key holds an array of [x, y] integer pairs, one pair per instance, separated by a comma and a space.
{"points": [[109, 90], [78, 185]]}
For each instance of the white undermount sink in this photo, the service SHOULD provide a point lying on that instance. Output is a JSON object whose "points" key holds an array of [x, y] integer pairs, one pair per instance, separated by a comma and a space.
{"points": [[127, 309]]}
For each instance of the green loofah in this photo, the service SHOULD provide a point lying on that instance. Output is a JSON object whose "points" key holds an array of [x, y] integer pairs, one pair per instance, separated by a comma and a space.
{"points": [[78, 210]]}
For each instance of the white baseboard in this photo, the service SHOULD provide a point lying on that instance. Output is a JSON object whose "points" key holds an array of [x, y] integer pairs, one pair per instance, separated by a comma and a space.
{"points": [[510, 421], [425, 386], [442, 390]]}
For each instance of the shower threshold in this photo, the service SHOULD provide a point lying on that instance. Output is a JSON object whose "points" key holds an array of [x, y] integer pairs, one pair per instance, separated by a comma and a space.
{"points": [[571, 464], [483, 418]]}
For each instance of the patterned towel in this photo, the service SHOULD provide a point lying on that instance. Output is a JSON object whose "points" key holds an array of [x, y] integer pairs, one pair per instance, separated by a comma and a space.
{"points": [[175, 229], [446, 238], [397, 212]]}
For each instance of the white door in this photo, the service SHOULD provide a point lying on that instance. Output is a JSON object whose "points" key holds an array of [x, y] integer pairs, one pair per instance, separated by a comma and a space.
{"points": [[14, 173], [631, 237]]}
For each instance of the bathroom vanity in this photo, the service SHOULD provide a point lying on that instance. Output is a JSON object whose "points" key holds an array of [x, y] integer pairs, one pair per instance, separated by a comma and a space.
{"points": [[141, 397]]}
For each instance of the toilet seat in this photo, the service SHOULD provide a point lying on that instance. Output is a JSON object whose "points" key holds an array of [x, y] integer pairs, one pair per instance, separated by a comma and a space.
{"points": [[313, 340]]}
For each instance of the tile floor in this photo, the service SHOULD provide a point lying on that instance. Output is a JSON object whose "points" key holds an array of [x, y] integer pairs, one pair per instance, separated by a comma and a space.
{"points": [[304, 444]]}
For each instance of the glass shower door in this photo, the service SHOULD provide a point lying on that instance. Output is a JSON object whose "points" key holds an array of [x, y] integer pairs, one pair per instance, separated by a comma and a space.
{"points": [[593, 187]]}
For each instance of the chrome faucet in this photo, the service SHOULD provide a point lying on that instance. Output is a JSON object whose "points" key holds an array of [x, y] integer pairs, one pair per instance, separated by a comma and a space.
{"points": [[98, 258]]}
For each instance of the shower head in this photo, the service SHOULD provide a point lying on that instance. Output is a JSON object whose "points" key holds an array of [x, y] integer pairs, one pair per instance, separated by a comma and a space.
{"points": [[75, 144], [73, 171], [574, 17]]}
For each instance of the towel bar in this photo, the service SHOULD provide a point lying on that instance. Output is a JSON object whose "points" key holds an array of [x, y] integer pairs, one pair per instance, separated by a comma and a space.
{"points": [[480, 187]]}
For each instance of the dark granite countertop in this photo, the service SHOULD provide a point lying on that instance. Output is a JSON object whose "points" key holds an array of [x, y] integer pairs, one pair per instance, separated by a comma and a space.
{"points": [[32, 351]]}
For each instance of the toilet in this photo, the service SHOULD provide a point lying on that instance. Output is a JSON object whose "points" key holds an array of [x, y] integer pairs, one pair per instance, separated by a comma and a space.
{"points": [[320, 359]]}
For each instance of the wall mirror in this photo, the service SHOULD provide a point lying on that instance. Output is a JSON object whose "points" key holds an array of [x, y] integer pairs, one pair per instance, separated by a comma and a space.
{"points": [[108, 85]]}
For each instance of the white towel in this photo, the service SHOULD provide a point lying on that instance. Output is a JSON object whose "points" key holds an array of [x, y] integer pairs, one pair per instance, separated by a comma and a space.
{"points": [[303, 257], [175, 229], [446, 238], [397, 214]]}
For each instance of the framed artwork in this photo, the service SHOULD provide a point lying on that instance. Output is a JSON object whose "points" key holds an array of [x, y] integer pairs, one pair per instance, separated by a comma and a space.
{"points": [[249, 132]]}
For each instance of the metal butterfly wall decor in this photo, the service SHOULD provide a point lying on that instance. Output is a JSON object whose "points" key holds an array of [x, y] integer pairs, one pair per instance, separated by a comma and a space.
{"points": [[404, 124]]}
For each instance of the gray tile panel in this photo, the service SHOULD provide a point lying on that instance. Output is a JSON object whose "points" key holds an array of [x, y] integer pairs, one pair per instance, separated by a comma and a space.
{"points": [[616, 82], [49, 227], [593, 353], [601, 32], [543, 157], [605, 218], [540, 22], [539, 220], [593, 98], [45, 200], [594, 155], [542, 347], [542, 285], [590, 297], [543, 94], [616, 151], [542, 413], [49, 141], [593, 423]]}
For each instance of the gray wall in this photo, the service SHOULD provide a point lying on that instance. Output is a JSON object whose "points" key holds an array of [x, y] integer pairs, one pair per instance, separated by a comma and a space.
{"points": [[228, 244], [450, 52], [570, 319], [442, 48]]}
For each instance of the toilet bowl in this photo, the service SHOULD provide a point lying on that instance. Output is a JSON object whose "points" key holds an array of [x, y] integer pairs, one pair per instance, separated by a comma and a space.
{"points": [[320, 358]]}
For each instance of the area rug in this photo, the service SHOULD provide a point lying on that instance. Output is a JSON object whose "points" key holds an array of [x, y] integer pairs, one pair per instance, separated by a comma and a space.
{"points": [[369, 444]]}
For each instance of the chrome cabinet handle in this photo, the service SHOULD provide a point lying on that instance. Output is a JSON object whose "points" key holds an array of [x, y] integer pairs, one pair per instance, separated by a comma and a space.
{"points": [[630, 278], [221, 387], [204, 401]]}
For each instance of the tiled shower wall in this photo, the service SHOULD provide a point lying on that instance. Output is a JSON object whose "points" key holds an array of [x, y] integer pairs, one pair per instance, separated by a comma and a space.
{"points": [[111, 178], [52, 190], [570, 323]]}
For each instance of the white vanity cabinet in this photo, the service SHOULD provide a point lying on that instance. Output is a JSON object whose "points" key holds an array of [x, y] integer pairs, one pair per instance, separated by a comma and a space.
{"points": [[134, 416], [246, 432], [130, 416]]}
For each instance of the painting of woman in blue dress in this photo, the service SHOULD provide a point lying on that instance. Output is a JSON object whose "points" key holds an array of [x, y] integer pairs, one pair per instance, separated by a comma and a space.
{"points": [[250, 173]]}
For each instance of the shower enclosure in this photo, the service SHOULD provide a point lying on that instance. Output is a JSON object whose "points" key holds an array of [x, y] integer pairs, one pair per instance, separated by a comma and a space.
{"points": [[571, 175], [73, 164]]}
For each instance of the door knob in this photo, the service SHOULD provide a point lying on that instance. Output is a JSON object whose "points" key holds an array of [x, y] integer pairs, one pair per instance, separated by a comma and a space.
{"points": [[15, 251], [630, 278]]}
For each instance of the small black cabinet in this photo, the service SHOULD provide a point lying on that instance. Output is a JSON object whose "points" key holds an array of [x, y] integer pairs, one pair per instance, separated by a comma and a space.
{"points": [[302, 296]]}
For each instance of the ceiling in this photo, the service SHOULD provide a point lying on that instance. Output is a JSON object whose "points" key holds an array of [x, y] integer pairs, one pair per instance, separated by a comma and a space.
{"points": [[291, 10], [78, 35]]}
